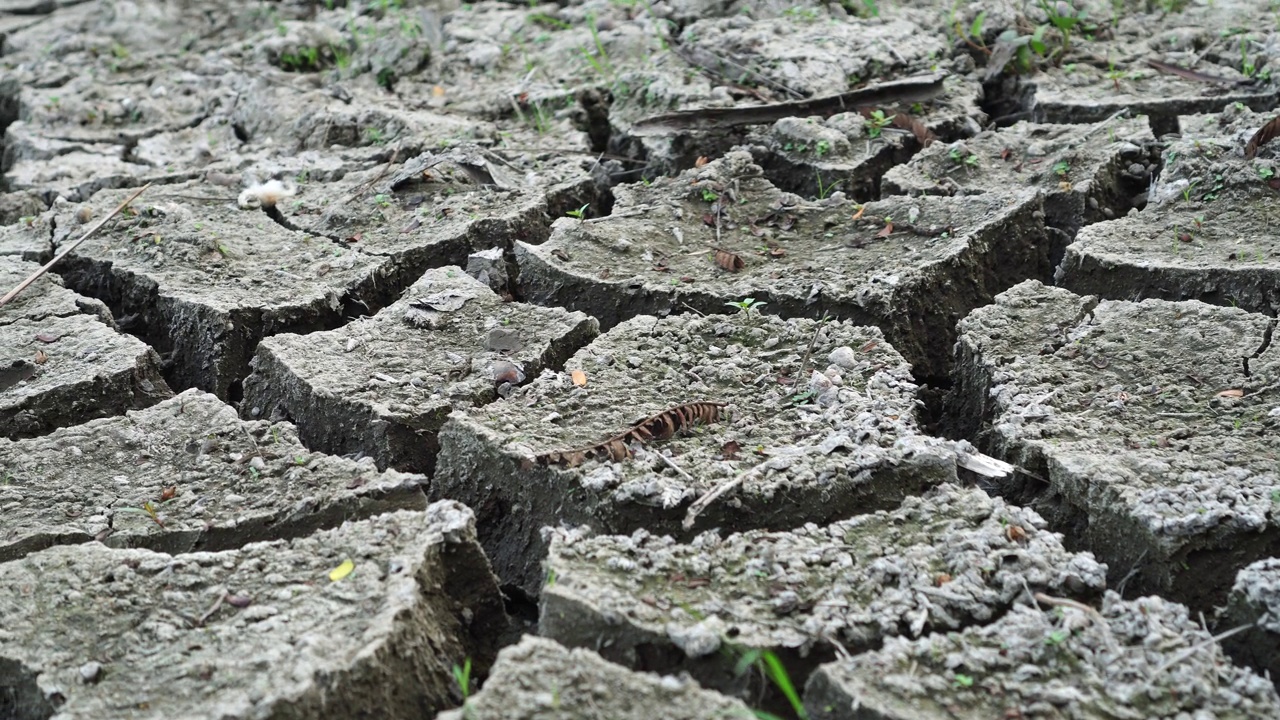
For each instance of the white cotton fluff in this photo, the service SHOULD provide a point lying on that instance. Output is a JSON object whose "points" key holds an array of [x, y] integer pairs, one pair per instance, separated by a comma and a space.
{"points": [[267, 194]]}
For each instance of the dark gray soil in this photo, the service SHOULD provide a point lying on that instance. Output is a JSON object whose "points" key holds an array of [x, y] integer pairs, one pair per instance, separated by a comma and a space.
{"points": [[886, 359]]}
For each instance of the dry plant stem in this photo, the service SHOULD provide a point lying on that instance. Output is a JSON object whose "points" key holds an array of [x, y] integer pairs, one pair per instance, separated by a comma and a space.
{"points": [[1093, 614], [672, 464], [1197, 648], [67, 250], [701, 503], [366, 187]]}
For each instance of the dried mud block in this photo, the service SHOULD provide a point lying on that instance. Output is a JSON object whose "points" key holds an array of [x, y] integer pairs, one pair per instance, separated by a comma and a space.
{"points": [[369, 615], [1254, 602], [539, 679], [941, 562], [721, 233], [1206, 235], [185, 474], [1146, 430], [1133, 658], [1087, 173], [203, 284], [383, 386], [1090, 93], [819, 423], [29, 238], [63, 362], [47, 299], [437, 208]]}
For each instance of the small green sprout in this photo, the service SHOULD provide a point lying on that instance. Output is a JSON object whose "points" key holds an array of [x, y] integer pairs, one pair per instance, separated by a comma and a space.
{"points": [[1061, 168], [746, 305], [579, 213], [878, 122], [963, 681], [462, 676]]}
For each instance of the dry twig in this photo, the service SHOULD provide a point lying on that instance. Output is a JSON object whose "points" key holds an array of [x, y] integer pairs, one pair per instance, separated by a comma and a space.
{"points": [[67, 250]]}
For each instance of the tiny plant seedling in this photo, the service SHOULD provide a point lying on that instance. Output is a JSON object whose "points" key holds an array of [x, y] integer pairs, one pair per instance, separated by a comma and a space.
{"points": [[746, 305], [825, 190], [878, 122], [462, 676], [1061, 168], [580, 213]]}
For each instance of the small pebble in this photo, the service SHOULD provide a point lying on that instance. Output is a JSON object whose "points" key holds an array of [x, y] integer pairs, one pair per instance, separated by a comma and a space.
{"points": [[90, 672]]}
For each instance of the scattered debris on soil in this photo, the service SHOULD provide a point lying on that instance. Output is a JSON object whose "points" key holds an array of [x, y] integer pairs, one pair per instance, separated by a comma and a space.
{"points": [[941, 562], [1143, 430], [381, 387]]}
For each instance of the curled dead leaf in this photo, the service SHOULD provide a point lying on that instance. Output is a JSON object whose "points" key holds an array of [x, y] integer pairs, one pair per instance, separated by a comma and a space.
{"points": [[729, 261], [730, 450], [1265, 134], [42, 357], [702, 160], [886, 230], [168, 493], [869, 346], [1232, 392], [941, 579], [1015, 533], [579, 378]]}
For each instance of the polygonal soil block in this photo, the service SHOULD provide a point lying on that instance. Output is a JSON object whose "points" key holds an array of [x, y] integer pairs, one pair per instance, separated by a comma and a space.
{"points": [[1254, 606], [953, 558], [204, 284], [370, 615], [383, 386], [437, 207], [818, 421], [539, 679], [182, 475], [63, 362], [721, 233], [1087, 173], [1139, 658], [1145, 431], [1207, 235]]}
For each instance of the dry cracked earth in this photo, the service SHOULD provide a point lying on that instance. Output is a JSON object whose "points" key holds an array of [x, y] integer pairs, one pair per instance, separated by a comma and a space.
{"points": [[614, 359]]}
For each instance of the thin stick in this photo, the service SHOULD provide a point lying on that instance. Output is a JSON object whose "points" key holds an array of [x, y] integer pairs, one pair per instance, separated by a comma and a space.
{"points": [[701, 503], [67, 250], [677, 468], [1197, 648], [812, 341]]}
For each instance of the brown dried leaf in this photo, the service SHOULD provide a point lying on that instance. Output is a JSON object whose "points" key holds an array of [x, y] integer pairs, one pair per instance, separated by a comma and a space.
{"points": [[777, 252], [916, 126], [941, 579], [579, 378], [702, 160], [729, 261], [1265, 134], [47, 337], [168, 493], [885, 231], [1232, 392], [42, 357], [1015, 533], [869, 346], [730, 450]]}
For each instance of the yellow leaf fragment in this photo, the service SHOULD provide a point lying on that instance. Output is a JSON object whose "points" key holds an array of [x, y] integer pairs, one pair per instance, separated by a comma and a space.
{"points": [[342, 570], [579, 378]]}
